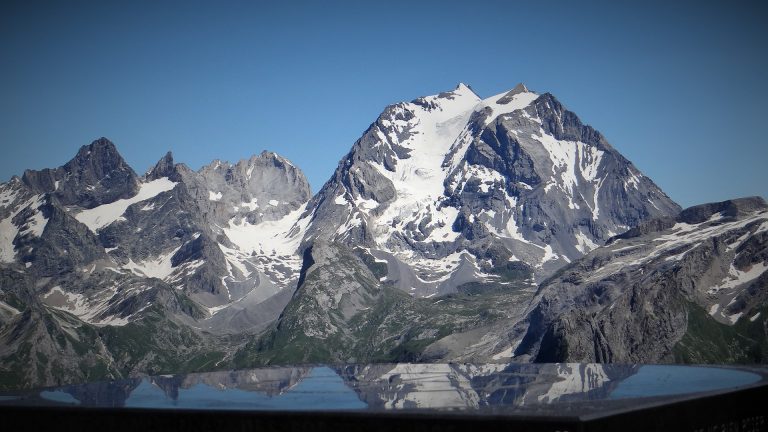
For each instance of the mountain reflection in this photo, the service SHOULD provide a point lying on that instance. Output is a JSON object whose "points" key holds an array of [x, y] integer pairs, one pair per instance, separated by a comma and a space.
{"points": [[405, 386]]}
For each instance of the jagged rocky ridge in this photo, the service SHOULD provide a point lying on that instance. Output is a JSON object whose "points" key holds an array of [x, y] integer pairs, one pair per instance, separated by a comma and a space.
{"points": [[426, 244]]}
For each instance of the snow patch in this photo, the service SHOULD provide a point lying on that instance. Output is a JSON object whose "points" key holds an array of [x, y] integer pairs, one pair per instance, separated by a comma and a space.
{"points": [[87, 309], [713, 309], [159, 267], [278, 235], [549, 255], [583, 243], [103, 215], [251, 205], [340, 200], [35, 224], [738, 277], [366, 204], [518, 102], [214, 196]]}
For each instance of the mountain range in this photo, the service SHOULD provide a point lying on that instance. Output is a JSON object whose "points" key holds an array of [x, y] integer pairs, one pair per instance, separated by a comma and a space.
{"points": [[456, 228]]}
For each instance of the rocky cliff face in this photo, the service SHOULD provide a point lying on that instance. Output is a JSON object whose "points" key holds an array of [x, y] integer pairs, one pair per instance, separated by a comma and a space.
{"points": [[97, 175], [689, 288]]}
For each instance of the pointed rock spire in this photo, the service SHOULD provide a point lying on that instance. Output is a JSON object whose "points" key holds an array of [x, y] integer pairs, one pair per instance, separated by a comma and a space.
{"points": [[97, 175], [163, 168], [520, 88]]}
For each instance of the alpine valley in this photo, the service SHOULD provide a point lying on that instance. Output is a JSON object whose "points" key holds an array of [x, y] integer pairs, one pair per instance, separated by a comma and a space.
{"points": [[455, 229]]}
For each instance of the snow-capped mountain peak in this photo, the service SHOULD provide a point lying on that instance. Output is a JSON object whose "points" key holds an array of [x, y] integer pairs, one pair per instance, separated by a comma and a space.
{"points": [[444, 174]]}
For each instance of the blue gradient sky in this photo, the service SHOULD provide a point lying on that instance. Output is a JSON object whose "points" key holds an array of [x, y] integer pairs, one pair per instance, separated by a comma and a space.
{"points": [[680, 89]]}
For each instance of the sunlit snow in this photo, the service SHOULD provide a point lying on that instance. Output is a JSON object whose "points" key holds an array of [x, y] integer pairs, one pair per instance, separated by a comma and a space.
{"points": [[103, 215]]}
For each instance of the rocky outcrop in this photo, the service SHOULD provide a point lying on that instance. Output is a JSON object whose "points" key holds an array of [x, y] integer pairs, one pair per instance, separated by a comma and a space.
{"points": [[96, 175], [649, 295]]}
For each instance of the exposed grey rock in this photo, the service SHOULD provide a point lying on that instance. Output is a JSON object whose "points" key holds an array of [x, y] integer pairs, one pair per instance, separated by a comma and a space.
{"points": [[164, 168], [647, 297], [97, 175]]}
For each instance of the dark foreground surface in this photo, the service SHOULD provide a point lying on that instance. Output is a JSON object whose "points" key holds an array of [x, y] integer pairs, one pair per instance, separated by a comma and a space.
{"points": [[408, 397]]}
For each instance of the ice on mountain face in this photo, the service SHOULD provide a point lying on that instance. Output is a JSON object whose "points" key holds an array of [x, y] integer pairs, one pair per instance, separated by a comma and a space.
{"points": [[418, 180], [214, 196], [103, 215]]}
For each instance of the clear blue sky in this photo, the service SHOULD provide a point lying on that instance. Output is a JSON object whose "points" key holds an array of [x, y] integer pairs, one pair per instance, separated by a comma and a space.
{"points": [[680, 89]]}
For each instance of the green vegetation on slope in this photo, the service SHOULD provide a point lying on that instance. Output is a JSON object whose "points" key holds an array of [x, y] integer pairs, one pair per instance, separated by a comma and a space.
{"points": [[708, 341]]}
